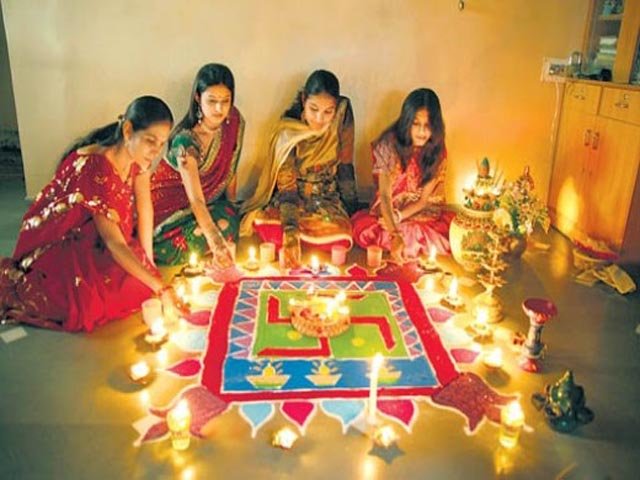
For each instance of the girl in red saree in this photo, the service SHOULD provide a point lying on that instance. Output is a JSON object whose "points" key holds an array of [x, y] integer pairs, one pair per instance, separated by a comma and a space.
{"points": [[193, 187], [409, 165], [308, 186], [77, 263]]}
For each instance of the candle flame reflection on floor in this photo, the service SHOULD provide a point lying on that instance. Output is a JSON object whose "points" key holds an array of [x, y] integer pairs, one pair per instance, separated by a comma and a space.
{"points": [[369, 470]]}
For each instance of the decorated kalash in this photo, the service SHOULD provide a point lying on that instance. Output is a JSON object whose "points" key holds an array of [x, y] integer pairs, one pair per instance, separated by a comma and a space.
{"points": [[368, 345]]}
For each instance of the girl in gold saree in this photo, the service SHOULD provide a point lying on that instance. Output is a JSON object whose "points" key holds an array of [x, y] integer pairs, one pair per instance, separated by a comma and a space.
{"points": [[307, 189]]}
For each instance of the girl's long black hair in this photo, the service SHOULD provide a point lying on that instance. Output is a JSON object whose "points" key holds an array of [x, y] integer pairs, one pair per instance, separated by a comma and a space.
{"points": [[320, 81], [209, 75], [434, 151], [142, 113]]}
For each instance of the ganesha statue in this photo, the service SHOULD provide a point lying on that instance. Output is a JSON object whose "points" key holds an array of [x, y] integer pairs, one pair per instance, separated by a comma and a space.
{"points": [[564, 404]]}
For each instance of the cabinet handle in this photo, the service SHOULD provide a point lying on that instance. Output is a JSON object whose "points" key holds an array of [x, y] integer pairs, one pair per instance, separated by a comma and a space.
{"points": [[579, 96], [587, 137], [622, 104], [596, 140]]}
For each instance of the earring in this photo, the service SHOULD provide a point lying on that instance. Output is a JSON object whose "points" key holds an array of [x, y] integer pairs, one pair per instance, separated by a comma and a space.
{"points": [[199, 115], [227, 121]]}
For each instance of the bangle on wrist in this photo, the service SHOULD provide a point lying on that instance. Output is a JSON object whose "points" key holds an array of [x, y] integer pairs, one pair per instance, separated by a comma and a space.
{"points": [[397, 216]]}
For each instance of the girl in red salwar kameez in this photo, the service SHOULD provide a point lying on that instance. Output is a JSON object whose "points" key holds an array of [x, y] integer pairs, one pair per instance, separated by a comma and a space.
{"points": [[77, 263], [406, 217]]}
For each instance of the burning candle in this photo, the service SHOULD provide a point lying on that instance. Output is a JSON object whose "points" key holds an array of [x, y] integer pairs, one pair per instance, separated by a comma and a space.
{"points": [[157, 334], [193, 260], [311, 291], [140, 371], [374, 256], [194, 266], [267, 252], [284, 438], [179, 422], [151, 310], [252, 263], [511, 422], [452, 299], [493, 359], [315, 264], [481, 324], [378, 359], [338, 255]]}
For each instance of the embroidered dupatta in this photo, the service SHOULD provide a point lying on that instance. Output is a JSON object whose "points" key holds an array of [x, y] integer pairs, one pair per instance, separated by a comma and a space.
{"points": [[217, 171], [313, 149]]}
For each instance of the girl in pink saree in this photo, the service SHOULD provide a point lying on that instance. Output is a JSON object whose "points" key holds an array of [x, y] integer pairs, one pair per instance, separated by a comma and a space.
{"points": [[406, 217]]}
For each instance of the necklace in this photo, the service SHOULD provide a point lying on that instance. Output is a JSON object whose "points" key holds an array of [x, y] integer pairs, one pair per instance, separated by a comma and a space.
{"points": [[206, 128]]}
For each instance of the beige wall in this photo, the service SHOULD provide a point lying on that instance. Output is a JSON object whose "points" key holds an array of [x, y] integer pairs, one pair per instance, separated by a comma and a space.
{"points": [[77, 63]]}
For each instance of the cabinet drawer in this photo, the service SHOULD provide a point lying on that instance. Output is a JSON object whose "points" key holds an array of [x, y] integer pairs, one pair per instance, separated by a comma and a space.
{"points": [[621, 105], [582, 97]]}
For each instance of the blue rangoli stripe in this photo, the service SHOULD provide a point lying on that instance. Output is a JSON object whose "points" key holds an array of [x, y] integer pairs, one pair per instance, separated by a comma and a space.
{"points": [[257, 413], [345, 410], [236, 333]]}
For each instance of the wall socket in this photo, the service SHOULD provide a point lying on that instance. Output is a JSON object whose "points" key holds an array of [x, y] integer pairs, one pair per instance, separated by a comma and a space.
{"points": [[554, 69]]}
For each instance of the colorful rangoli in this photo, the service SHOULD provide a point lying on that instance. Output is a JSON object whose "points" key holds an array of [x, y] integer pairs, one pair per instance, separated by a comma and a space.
{"points": [[252, 357]]}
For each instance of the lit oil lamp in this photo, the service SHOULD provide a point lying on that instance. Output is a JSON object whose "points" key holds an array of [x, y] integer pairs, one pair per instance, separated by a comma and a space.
{"points": [[157, 334], [493, 360], [480, 329], [284, 438], [511, 423], [140, 372], [431, 264], [179, 422], [452, 300], [252, 263], [315, 264], [385, 436], [194, 267]]}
